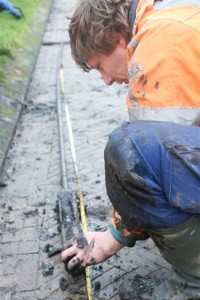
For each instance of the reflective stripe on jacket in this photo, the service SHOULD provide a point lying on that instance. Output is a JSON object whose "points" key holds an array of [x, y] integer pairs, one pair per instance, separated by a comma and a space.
{"points": [[163, 61]]}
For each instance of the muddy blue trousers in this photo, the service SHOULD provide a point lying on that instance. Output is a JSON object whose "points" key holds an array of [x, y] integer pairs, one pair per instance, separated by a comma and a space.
{"points": [[153, 181], [153, 175]]}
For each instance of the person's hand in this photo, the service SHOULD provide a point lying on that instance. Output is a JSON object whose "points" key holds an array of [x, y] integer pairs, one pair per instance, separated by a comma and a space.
{"points": [[90, 249]]}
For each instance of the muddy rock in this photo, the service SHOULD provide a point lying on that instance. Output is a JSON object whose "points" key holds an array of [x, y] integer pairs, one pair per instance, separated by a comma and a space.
{"points": [[63, 284], [47, 269]]}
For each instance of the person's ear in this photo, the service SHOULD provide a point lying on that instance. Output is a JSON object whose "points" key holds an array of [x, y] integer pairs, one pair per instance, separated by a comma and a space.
{"points": [[123, 41]]}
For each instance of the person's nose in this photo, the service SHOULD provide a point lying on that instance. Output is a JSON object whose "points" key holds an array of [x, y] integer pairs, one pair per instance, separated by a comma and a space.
{"points": [[107, 79]]}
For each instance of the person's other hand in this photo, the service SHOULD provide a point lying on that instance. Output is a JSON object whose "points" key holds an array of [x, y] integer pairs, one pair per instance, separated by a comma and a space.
{"points": [[90, 249]]}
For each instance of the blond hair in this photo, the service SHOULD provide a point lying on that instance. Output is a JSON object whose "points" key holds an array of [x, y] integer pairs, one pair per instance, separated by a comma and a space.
{"points": [[93, 26]]}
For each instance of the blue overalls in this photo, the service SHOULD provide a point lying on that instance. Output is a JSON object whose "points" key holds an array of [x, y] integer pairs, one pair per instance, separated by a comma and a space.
{"points": [[153, 181]]}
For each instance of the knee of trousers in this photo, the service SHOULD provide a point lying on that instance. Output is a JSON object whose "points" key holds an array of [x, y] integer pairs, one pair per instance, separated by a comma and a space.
{"points": [[120, 153]]}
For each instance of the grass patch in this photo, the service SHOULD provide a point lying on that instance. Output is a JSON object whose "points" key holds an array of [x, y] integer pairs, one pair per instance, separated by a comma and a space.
{"points": [[13, 32], [7, 111], [2, 76]]}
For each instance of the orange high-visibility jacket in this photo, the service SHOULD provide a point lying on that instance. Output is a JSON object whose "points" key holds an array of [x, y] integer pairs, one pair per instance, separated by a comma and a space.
{"points": [[164, 61]]}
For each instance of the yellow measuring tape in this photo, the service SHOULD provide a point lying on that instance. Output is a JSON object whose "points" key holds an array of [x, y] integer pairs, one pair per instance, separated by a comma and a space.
{"points": [[82, 208], [84, 225]]}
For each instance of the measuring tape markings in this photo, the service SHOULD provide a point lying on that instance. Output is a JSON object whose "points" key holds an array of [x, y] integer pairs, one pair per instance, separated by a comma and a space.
{"points": [[82, 208]]}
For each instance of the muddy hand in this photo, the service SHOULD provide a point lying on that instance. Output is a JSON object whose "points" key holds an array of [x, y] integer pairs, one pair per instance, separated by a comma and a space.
{"points": [[76, 265], [73, 264], [90, 249], [79, 255]]}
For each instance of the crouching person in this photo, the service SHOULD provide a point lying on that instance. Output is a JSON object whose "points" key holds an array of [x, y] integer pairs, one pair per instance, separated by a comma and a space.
{"points": [[153, 181]]}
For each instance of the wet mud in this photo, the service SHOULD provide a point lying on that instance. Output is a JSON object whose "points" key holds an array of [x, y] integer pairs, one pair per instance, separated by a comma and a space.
{"points": [[64, 284], [134, 289], [76, 271], [47, 269]]}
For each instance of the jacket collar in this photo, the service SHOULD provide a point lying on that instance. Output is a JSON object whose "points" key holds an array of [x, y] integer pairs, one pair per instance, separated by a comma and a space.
{"points": [[132, 15]]}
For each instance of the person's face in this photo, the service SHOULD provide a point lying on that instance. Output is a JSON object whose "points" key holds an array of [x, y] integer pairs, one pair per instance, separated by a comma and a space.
{"points": [[112, 67]]}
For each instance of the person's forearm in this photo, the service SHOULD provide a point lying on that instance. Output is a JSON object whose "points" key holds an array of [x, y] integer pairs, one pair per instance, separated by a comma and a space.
{"points": [[112, 245]]}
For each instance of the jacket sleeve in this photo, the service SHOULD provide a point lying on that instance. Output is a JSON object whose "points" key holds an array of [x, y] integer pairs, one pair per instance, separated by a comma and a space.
{"points": [[122, 235]]}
